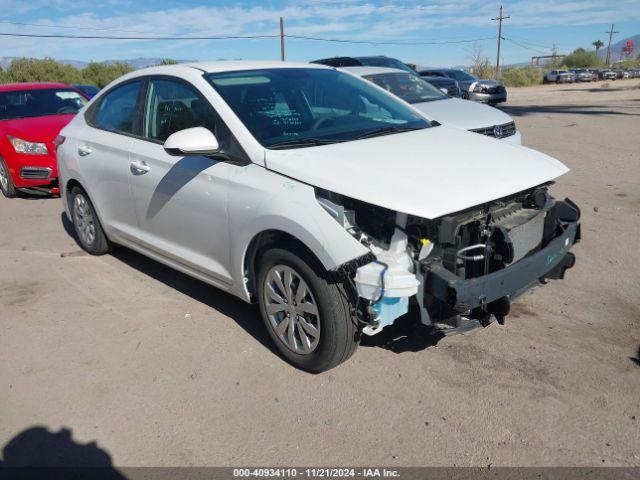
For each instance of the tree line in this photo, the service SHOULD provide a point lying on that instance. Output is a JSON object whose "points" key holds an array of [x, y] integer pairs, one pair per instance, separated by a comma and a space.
{"points": [[49, 70]]}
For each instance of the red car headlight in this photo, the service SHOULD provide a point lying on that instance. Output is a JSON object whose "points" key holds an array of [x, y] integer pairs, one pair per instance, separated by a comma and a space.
{"points": [[29, 148]]}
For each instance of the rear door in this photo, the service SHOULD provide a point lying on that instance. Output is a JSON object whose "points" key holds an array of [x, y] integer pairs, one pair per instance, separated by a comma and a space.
{"points": [[103, 155], [180, 202]]}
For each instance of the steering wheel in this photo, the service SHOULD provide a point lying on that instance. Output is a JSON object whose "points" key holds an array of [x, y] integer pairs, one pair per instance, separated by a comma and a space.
{"points": [[66, 109], [321, 121]]}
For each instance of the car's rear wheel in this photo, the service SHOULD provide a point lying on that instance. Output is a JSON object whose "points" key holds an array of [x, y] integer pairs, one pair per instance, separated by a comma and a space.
{"points": [[307, 316], [6, 184], [87, 226]]}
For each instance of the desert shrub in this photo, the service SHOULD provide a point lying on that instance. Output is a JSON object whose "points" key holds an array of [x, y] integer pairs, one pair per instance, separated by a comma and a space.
{"points": [[521, 76], [581, 58], [101, 74]]}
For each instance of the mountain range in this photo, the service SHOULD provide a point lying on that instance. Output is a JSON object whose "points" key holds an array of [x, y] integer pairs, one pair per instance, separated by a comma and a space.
{"points": [[616, 49]]}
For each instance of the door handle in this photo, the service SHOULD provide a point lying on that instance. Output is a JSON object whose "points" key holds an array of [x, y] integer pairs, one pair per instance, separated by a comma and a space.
{"points": [[83, 151], [139, 167]]}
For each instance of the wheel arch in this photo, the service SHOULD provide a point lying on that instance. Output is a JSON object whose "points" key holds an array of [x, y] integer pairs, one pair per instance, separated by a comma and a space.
{"points": [[266, 240]]}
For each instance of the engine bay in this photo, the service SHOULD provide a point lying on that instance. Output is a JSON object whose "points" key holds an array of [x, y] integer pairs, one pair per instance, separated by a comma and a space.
{"points": [[450, 256]]}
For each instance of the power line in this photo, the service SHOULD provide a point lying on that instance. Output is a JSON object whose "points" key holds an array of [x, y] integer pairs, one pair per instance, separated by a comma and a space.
{"points": [[531, 42], [71, 28], [526, 47], [105, 37], [234, 37], [387, 42]]}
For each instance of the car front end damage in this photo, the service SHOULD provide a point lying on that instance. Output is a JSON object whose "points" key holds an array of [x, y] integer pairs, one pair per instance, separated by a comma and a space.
{"points": [[463, 269]]}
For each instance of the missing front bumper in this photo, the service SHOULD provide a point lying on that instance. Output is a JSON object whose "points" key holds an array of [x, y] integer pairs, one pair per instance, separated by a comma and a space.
{"points": [[464, 295]]}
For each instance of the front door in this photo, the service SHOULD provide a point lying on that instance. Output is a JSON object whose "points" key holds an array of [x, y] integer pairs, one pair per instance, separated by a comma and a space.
{"points": [[180, 202]]}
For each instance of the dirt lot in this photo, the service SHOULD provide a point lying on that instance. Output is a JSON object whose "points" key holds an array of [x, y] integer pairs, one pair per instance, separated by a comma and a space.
{"points": [[159, 369]]}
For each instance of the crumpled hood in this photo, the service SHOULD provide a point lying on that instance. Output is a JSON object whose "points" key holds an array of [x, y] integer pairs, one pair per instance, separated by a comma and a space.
{"points": [[463, 114], [36, 129], [427, 173]]}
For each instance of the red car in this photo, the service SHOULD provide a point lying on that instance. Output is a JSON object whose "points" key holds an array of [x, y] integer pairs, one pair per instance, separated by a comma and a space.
{"points": [[31, 116]]}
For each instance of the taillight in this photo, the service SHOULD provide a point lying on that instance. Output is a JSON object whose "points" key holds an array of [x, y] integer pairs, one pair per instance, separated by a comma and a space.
{"points": [[59, 140]]}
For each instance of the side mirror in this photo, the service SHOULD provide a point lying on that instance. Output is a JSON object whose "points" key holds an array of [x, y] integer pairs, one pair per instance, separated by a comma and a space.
{"points": [[192, 141]]}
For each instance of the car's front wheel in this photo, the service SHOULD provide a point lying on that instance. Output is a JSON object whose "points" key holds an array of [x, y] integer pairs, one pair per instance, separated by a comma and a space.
{"points": [[87, 226], [307, 315], [6, 184]]}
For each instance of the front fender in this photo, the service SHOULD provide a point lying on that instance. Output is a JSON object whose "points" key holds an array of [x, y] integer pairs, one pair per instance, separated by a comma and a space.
{"points": [[265, 200]]}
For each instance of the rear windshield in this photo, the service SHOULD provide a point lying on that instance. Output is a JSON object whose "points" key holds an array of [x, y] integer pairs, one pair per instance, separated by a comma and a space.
{"points": [[408, 87], [39, 103], [386, 62], [461, 75]]}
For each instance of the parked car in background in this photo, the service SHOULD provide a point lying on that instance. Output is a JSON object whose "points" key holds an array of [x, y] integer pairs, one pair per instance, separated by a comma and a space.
{"points": [[582, 75], [326, 200], [447, 85], [559, 76], [607, 75], [478, 90], [436, 105], [372, 61], [89, 91], [31, 116]]}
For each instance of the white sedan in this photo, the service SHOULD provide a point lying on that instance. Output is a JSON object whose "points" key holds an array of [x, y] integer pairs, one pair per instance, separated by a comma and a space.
{"points": [[436, 105], [324, 199]]}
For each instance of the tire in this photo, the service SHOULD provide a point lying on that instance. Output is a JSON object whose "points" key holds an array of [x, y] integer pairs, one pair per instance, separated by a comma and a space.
{"points": [[89, 232], [337, 331], [6, 184]]}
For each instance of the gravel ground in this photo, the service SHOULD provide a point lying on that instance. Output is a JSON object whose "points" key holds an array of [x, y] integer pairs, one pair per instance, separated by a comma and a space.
{"points": [[160, 369]]}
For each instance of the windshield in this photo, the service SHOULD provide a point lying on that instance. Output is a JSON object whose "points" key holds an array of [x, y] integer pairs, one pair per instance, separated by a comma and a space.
{"points": [[408, 87], [386, 62], [39, 103], [296, 107], [461, 75], [88, 89]]}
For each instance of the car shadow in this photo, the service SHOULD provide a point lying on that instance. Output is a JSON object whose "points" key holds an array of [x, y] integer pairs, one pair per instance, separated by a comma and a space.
{"points": [[407, 334], [523, 110], [244, 314], [68, 227], [34, 195], [180, 173], [37, 452], [636, 359]]}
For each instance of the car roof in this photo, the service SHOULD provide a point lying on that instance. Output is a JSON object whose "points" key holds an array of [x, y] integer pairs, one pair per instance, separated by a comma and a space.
{"points": [[13, 87], [216, 67], [362, 71]]}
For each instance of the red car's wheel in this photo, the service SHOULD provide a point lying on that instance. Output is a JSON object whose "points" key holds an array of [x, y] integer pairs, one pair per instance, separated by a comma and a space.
{"points": [[6, 184]]}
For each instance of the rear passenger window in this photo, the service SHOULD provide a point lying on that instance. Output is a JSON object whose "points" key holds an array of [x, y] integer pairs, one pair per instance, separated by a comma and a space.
{"points": [[117, 109], [173, 106]]}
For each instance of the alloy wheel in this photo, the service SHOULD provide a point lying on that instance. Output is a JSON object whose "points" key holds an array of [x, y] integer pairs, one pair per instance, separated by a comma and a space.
{"points": [[4, 177], [83, 219], [292, 309]]}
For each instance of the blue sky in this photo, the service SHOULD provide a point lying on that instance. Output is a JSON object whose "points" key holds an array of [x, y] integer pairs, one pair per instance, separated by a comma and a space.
{"points": [[534, 26]]}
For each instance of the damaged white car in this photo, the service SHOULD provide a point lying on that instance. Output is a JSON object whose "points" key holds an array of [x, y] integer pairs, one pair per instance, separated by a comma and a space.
{"points": [[316, 194]]}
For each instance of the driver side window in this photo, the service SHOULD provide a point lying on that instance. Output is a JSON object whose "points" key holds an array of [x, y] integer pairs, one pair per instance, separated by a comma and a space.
{"points": [[172, 106]]}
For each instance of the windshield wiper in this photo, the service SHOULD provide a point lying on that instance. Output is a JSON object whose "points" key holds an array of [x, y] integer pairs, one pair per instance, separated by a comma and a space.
{"points": [[301, 142], [386, 131]]}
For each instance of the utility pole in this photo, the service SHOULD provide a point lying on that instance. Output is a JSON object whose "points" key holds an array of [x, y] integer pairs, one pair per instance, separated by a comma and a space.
{"points": [[281, 39], [499, 18], [610, 32]]}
